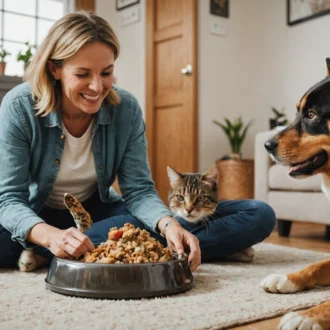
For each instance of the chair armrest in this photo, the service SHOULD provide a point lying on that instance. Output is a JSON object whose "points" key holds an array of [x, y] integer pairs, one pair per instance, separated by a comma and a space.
{"points": [[262, 163]]}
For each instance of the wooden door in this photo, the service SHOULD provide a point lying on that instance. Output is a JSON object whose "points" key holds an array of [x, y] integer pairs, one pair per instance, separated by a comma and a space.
{"points": [[171, 95], [85, 5]]}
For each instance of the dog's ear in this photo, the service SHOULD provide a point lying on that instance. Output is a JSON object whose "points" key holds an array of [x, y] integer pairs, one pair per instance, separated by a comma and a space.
{"points": [[328, 65]]}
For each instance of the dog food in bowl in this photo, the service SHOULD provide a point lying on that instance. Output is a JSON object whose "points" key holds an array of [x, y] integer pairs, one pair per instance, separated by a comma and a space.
{"points": [[129, 265], [128, 245]]}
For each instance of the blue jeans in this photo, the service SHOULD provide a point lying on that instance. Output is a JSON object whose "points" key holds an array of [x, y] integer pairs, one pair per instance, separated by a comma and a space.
{"points": [[235, 225]]}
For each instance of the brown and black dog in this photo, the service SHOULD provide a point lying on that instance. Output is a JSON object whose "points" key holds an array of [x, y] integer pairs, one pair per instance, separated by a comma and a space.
{"points": [[304, 146]]}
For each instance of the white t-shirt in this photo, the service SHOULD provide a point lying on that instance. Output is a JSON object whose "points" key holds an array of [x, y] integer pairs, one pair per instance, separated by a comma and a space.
{"points": [[77, 174]]}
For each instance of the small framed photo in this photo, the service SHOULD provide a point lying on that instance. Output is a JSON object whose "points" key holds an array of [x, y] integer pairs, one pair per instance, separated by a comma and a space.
{"points": [[219, 8], [122, 4], [299, 11]]}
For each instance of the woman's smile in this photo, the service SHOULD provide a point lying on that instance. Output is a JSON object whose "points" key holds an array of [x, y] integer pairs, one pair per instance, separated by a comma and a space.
{"points": [[90, 97]]}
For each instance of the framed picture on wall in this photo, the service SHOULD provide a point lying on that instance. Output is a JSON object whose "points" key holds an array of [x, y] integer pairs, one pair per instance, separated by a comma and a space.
{"points": [[122, 4], [303, 10], [219, 7]]}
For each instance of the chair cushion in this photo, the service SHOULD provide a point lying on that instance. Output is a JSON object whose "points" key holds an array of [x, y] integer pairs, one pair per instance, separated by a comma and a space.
{"points": [[279, 179], [300, 206]]}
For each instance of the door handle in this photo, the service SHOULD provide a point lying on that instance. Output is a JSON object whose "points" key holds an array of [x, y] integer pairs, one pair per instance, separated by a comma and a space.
{"points": [[187, 70]]}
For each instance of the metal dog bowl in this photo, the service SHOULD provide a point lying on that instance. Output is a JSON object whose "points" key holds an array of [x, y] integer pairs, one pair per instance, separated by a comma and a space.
{"points": [[118, 281]]}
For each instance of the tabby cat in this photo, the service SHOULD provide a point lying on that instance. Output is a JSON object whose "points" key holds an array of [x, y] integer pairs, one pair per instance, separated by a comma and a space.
{"points": [[194, 197]]}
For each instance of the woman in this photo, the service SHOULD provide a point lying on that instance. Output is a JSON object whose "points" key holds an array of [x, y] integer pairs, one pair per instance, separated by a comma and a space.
{"points": [[69, 129]]}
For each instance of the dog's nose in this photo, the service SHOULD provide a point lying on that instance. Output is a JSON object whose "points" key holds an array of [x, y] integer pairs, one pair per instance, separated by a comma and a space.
{"points": [[271, 145]]}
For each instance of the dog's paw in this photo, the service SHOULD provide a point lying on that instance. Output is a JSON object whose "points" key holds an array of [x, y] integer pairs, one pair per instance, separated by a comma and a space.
{"points": [[296, 321], [277, 283], [30, 261], [247, 255]]}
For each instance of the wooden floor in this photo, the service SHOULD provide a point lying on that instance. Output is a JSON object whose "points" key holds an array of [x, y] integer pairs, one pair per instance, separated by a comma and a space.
{"points": [[304, 236]]}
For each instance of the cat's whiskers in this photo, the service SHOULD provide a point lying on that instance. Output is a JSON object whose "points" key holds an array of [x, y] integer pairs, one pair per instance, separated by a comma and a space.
{"points": [[176, 217], [205, 221]]}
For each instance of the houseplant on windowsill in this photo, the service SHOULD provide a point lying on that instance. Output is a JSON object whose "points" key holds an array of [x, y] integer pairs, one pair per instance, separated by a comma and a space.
{"points": [[3, 55], [25, 56], [236, 175]]}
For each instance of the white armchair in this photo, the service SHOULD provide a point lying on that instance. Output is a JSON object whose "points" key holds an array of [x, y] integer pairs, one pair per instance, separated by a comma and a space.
{"points": [[292, 199]]}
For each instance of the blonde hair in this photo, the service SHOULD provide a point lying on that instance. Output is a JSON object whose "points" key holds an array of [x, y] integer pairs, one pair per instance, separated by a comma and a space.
{"points": [[64, 39]]}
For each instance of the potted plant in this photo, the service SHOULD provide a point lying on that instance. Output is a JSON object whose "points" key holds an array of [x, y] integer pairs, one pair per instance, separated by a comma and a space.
{"points": [[3, 55], [279, 119], [25, 56], [236, 175]]}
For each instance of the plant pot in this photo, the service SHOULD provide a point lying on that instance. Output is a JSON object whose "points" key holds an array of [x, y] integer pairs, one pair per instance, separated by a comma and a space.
{"points": [[26, 65], [2, 68], [236, 179]]}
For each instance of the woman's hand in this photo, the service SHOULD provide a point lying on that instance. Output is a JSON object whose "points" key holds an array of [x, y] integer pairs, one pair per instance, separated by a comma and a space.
{"points": [[177, 238], [68, 243]]}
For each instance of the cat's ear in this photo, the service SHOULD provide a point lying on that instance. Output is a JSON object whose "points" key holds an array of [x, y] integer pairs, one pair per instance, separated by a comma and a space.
{"points": [[175, 177], [211, 176]]}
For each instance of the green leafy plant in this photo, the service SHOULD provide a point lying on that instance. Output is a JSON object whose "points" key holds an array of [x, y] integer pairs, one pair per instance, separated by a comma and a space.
{"points": [[26, 55], [3, 54], [236, 133], [279, 119]]}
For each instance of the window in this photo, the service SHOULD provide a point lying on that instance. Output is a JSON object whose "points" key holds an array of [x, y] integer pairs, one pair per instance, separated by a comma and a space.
{"points": [[24, 21]]}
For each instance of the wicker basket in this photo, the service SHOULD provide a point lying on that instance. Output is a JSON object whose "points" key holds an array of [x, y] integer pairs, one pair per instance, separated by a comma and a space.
{"points": [[236, 179]]}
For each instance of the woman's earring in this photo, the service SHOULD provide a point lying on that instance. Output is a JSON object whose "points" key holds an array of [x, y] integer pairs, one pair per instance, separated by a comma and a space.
{"points": [[54, 82]]}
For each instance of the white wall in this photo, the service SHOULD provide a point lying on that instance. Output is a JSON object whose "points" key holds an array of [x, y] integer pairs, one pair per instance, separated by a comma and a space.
{"points": [[231, 76], [261, 63], [130, 66]]}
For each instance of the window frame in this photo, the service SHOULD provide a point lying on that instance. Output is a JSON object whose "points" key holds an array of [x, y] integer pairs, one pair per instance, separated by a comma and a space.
{"points": [[69, 6]]}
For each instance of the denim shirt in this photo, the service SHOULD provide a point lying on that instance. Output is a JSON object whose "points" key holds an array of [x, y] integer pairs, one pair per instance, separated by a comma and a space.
{"points": [[31, 148]]}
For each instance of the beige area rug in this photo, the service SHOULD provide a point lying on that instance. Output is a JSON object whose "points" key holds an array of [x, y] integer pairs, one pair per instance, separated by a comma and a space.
{"points": [[223, 295]]}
